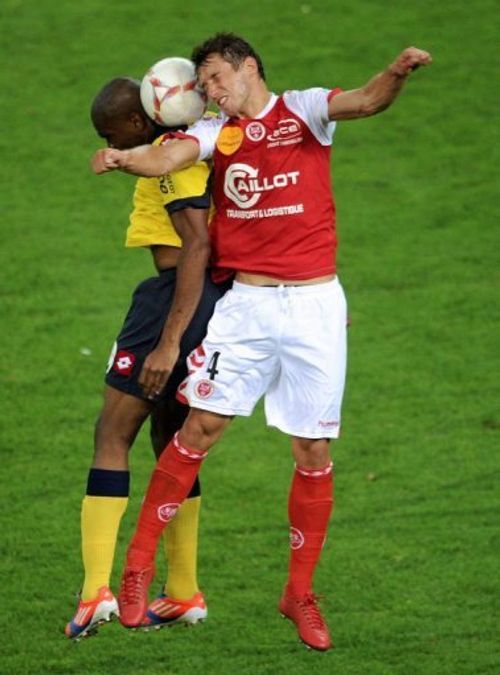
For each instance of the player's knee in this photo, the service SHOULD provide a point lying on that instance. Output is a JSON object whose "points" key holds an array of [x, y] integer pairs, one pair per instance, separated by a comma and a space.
{"points": [[166, 418], [311, 452], [202, 429], [110, 442]]}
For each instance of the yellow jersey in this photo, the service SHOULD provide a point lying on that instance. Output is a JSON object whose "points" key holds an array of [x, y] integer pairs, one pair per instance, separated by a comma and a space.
{"points": [[150, 223]]}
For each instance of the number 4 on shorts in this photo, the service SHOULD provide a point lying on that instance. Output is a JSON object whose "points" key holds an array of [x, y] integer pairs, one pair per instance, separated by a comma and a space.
{"points": [[212, 366]]}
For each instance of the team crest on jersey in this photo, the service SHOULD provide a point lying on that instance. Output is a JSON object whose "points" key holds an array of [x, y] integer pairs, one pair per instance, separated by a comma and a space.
{"points": [[166, 512], [229, 140], [255, 131], [204, 389], [296, 538]]}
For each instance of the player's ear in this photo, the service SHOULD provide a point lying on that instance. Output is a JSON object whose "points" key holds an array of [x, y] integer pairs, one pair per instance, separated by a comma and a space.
{"points": [[250, 65], [138, 120]]}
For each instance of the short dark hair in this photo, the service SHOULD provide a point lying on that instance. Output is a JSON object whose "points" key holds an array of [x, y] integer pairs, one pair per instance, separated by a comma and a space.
{"points": [[230, 47], [117, 99]]}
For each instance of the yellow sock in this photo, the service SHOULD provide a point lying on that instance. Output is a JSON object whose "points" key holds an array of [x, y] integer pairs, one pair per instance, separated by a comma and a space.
{"points": [[180, 540], [100, 519]]}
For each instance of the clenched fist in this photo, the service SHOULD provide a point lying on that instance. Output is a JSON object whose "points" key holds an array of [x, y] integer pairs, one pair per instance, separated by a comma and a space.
{"points": [[410, 59], [107, 159]]}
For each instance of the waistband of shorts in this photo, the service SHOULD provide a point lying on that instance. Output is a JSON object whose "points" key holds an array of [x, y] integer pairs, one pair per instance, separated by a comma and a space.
{"points": [[168, 272], [308, 289]]}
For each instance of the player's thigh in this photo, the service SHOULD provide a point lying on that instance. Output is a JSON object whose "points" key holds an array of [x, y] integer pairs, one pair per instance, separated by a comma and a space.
{"points": [[236, 361], [140, 332], [305, 400]]}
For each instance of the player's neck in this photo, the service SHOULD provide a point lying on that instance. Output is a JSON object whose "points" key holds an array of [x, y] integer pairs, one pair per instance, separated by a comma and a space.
{"points": [[256, 102]]}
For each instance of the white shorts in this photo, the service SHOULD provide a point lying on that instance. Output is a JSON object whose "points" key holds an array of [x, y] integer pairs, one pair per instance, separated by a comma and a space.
{"points": [[285, 342]]}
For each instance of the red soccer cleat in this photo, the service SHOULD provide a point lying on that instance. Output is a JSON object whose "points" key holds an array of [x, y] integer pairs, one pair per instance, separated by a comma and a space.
{"points": [[305, 614], [133, 596]]}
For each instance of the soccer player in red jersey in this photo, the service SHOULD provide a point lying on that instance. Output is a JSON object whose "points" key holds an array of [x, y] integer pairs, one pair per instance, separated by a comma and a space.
{"points": [[280, 332]]}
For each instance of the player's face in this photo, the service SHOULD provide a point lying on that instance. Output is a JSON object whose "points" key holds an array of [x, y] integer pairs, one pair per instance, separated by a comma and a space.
{"points": [[123, 134], [228, 88]]}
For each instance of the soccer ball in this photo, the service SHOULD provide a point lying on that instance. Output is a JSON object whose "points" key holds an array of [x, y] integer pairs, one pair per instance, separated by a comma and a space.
{"points": [[170, 93]]}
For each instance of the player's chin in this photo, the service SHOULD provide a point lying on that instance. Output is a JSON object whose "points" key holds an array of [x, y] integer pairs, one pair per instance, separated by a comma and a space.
{"points": [[227, 108]]}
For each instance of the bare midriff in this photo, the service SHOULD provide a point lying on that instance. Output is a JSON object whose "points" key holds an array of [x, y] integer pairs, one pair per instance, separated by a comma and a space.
{"points": [[262, 280]]}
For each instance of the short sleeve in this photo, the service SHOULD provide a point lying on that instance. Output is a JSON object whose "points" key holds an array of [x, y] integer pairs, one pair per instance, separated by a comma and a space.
{"points": [[311, 105], [205, 131], [186, 188]]}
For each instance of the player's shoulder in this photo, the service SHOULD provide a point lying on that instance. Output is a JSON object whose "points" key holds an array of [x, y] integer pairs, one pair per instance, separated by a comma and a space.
{"points": [[210, 115], [305, 95], [192, 172], [207, 123], [307, 103], [165, 137], [209, 120]]}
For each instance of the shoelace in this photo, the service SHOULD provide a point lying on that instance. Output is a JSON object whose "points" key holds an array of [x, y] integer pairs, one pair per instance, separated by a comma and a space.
{"points": [[131, 588], [309, 604]]}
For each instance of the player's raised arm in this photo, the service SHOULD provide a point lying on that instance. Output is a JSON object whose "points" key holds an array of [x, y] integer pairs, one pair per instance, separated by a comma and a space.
{"points": [[147, 160], [379, 92]]}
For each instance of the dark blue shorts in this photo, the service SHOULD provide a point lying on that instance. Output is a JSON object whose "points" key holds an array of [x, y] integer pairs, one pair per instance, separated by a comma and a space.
{"points": [[142, 329]]}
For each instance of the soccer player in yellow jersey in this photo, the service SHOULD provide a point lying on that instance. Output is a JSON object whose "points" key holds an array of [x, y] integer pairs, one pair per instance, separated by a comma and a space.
{"points": [[166, 321]]}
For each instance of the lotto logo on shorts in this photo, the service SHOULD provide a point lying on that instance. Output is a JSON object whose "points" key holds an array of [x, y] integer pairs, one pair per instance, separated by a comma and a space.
{"points": [[296, 538], [204, 389], [124, 362], [166, 512]]}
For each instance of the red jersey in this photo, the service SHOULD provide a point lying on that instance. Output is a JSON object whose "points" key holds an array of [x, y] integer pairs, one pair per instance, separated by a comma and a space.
{"points": [[275, 213]]}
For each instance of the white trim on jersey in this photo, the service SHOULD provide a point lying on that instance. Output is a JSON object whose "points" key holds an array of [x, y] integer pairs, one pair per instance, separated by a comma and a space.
{"points": [[311, 105], [268, 107]]}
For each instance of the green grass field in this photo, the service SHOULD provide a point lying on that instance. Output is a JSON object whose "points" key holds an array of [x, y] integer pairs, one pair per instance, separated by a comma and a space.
{"points": [[410, 571]]}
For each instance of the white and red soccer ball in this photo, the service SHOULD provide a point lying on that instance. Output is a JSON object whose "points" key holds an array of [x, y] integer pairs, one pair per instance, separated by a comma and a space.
{"points": [[170, 93]]}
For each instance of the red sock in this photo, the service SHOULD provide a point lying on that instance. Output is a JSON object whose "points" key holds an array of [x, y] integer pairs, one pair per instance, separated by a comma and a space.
{"points": [[172, 479], [309, 507]]}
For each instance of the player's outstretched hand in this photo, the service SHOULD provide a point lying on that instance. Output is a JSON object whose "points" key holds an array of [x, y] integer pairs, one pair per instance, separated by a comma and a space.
{"points": [[410, 59], [106, 159]]}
